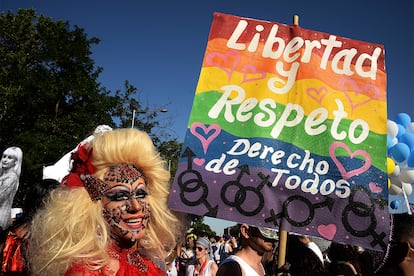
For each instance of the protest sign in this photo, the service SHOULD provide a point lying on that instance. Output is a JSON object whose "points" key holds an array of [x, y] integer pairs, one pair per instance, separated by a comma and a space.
{"points": [[288, 131]]}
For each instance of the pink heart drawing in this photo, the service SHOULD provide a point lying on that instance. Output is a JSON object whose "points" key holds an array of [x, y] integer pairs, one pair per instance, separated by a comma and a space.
{"points": [[210, 133], [327, 231], [341, 168], [199, 161], [371, 91], [374, 188], [250, 73], [317, 94], [227, 62]]}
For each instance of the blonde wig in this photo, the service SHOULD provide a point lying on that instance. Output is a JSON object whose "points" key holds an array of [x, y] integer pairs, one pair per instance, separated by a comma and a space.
{"points": [[71, 227]]}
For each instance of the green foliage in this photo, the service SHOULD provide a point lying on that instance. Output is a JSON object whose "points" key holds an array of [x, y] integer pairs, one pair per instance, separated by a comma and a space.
{"points": [[199, 227], [50, 98], [170, 150], [235, 230]]}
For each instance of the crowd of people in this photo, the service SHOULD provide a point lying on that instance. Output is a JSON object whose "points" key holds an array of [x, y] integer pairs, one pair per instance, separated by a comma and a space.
{"points": [[255, 252], [105, 213]]}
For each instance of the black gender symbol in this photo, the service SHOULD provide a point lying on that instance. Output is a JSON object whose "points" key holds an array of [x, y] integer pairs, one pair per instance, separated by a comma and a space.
{"points": [[191, 182], [192, 185], [329, 202], [241, 194], [363, 210]]}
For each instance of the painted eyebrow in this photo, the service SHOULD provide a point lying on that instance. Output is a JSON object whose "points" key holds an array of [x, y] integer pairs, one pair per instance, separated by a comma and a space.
{"points": [[119, 187]]}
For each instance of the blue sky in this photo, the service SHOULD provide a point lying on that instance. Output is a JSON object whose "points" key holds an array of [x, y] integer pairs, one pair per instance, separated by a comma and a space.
{"points": [[158, 46]]}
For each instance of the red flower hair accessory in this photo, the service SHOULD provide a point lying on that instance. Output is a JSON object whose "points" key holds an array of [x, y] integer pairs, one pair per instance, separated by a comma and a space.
{"points": [[81, 165]]}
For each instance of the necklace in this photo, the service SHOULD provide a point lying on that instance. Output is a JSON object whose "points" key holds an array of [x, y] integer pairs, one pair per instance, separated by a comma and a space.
{"points": [[130, 255], [200, 272]]}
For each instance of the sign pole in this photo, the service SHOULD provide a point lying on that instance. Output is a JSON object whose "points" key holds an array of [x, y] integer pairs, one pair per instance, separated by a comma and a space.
{"points": [[281, 257], [296, 20]]}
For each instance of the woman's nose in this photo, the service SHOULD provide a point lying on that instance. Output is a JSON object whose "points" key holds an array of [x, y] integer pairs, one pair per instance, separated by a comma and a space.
{"points": [[136, 205]]}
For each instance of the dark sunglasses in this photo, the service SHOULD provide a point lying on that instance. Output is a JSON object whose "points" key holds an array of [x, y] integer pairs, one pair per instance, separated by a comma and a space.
{"points": [[199, 248]]}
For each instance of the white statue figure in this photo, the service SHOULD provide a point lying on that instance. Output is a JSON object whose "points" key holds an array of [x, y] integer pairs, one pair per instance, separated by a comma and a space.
{"points": [[10, 169]]}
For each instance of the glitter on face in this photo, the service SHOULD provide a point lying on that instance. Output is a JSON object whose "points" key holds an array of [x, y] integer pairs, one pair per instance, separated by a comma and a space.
{"points": [[125, 201]]}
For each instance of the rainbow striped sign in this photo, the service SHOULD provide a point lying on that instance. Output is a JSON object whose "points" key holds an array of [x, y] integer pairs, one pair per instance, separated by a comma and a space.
{"points": [[288, 131]]}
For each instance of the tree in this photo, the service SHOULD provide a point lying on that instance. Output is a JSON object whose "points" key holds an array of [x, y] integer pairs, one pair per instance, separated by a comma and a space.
{"points": [[50, 97], [48, 89], [199, 227], [146, 119], [170, 150]]}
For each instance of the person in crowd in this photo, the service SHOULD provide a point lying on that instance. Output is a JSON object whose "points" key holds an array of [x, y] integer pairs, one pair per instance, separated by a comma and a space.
{"points": [[226, 248], [215, 248], [110, 215], [234, 244], [343, 259], [219, 243], [10, 169], [307, 241], [14, 254], [301, 259], [203, 265], [399, 257], [254, 243], [187, 251], [365, 261], [171, 263], [187, 255]]}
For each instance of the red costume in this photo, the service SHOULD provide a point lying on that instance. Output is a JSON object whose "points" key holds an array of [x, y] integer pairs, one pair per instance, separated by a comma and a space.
{"points": [[13, 252], [131, 263]]}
